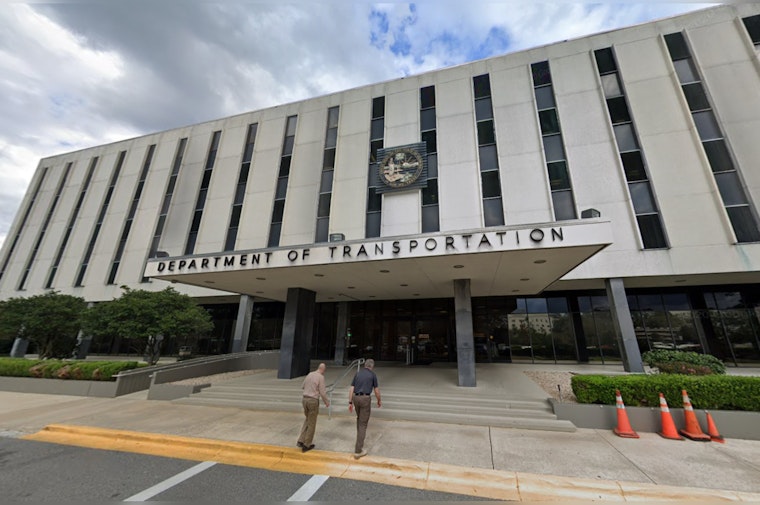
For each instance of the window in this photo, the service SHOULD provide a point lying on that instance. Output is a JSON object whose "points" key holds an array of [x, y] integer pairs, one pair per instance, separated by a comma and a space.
{"points": [[741, 215], [429, 214], [328, 165], [631, 156], [551, 134], [202, 192], [278, 209], [493, 211], [376, 141], [752, 24]]}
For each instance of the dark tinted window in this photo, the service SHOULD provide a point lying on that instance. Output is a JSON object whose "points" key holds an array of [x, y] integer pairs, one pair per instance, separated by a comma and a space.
{"points": [[541, 74], [605, 60], [677, 46], [717, 154], [482, 86], [486, 134], [427, 97], [651, 231], [618, 110], [695, 96], [491, 187], [633, 165], [378, 107], [752, 24]]}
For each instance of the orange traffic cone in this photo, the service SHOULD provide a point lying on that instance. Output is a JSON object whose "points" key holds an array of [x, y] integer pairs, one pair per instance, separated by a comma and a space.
{"points": [[668, 426], [623, 428], [712, 430], [692, 429]]}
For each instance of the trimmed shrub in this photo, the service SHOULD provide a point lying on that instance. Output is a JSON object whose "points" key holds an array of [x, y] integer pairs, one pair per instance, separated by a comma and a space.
{"points": [[66, 370], [683, 362], [716, 392]]}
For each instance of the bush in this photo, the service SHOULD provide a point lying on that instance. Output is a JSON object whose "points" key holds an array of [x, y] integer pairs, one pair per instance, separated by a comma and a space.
{"points": [[67, 370], [717, 392], [683, 362]]}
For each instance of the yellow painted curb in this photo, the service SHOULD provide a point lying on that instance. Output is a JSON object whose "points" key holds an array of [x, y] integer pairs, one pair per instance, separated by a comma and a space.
{"points": [[480, 482]]}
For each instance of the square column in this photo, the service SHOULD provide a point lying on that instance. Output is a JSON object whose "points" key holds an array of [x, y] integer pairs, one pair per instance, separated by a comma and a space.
{"points": [[242, 324], [465, 339], [623, 324], [297, 329]]}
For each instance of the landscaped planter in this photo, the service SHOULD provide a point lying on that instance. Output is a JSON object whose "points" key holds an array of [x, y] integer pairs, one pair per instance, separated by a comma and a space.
{"points": [[730, 423]]}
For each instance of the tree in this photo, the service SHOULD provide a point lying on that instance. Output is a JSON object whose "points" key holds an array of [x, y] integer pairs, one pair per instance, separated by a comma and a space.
{"points": [[151, 318], [51, 321]]}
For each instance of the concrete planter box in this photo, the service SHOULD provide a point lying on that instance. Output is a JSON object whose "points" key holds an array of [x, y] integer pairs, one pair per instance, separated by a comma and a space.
{"points": [[102, 389], [730, 423]]}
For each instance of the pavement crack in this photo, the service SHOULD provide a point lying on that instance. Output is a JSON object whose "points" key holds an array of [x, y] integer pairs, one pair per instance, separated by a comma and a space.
{"points": [[490, 444], [628, 459]]}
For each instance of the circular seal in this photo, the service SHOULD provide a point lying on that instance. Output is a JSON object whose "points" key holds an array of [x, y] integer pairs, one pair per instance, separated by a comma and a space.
{"points": [[400, 167]]}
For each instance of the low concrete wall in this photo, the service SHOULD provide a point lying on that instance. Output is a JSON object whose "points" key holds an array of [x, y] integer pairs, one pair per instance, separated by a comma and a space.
{"points": [[140, 379], [730, 423], [102, 389], [173, 391]]}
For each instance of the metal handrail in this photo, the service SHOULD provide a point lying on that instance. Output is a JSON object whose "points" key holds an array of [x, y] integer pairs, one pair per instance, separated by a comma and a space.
{"points": [[358, 363]]}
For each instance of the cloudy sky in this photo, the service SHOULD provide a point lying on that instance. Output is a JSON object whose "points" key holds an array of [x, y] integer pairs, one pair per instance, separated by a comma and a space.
{"points": [[80, 74]]}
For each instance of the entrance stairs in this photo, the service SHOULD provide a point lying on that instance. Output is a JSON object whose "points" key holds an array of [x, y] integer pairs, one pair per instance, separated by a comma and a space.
{"points": [[501, 399]]}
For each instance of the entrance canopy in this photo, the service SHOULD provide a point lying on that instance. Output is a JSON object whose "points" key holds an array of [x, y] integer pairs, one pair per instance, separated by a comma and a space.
{"points": [[514, 261]]}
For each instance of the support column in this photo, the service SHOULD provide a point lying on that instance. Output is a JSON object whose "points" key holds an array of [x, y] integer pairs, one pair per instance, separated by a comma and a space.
{"points": [[465, 340], [297, 330], [341, 332], [623, 324], [242, 324]]}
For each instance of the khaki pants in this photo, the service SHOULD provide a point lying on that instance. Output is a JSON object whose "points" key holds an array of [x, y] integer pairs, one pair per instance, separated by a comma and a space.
{"points": [[363, 406], [311, 411]]}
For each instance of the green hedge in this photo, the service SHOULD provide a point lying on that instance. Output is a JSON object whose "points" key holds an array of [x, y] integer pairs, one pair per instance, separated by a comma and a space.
{"points": [[715, 392], [68, 370], [683, 362]]}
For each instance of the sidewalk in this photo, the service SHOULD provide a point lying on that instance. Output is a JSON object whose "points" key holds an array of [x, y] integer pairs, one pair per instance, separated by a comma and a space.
{"points": [[496, 463]]}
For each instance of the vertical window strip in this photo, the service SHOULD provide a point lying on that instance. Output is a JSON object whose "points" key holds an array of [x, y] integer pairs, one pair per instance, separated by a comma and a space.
{"points": [[278, 209], [22, 224], [563, 200], [242, 182], [131, 215], [98, 224], [202, 192], [645, 207], [493, 209], [328, 169], [46, 222], [716, 147], [428, 134], [376, 141], [166, 203]]}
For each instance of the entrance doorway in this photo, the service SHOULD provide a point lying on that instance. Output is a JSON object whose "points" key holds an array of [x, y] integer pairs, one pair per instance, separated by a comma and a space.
{"points": [[407, 331]]}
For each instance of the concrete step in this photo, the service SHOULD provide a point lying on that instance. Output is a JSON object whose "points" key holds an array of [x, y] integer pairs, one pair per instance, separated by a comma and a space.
{"points": [[527, 421]]}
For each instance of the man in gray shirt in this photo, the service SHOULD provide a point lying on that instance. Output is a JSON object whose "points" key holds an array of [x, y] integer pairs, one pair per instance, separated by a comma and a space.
{"points": [[362, 386], [313, 388]]}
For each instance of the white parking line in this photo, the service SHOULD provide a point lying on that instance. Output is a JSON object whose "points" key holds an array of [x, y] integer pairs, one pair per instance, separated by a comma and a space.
{"points": [[307, 490], [171, 482]]}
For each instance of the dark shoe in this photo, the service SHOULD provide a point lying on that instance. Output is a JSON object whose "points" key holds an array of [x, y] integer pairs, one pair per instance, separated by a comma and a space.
{"points": [[306, 448], [300, 444]]}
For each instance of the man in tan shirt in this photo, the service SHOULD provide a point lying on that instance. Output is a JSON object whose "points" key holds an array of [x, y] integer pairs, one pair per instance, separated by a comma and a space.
{"points": [[313, 388]]}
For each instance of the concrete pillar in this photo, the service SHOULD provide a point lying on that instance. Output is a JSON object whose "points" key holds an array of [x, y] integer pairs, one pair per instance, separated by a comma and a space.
{"points": [[297, 330], [340, 333], [623, 324], [242, 324], [465, 340]]}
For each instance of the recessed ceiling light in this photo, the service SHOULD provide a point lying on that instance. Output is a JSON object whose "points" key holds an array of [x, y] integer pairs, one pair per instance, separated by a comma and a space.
{"points": [[416, 294], [538, 262], [515, 290], [525, 279], [403, 285], [458, 266], [385, 271], [351, 287], [319, 275], [261, 278]]}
